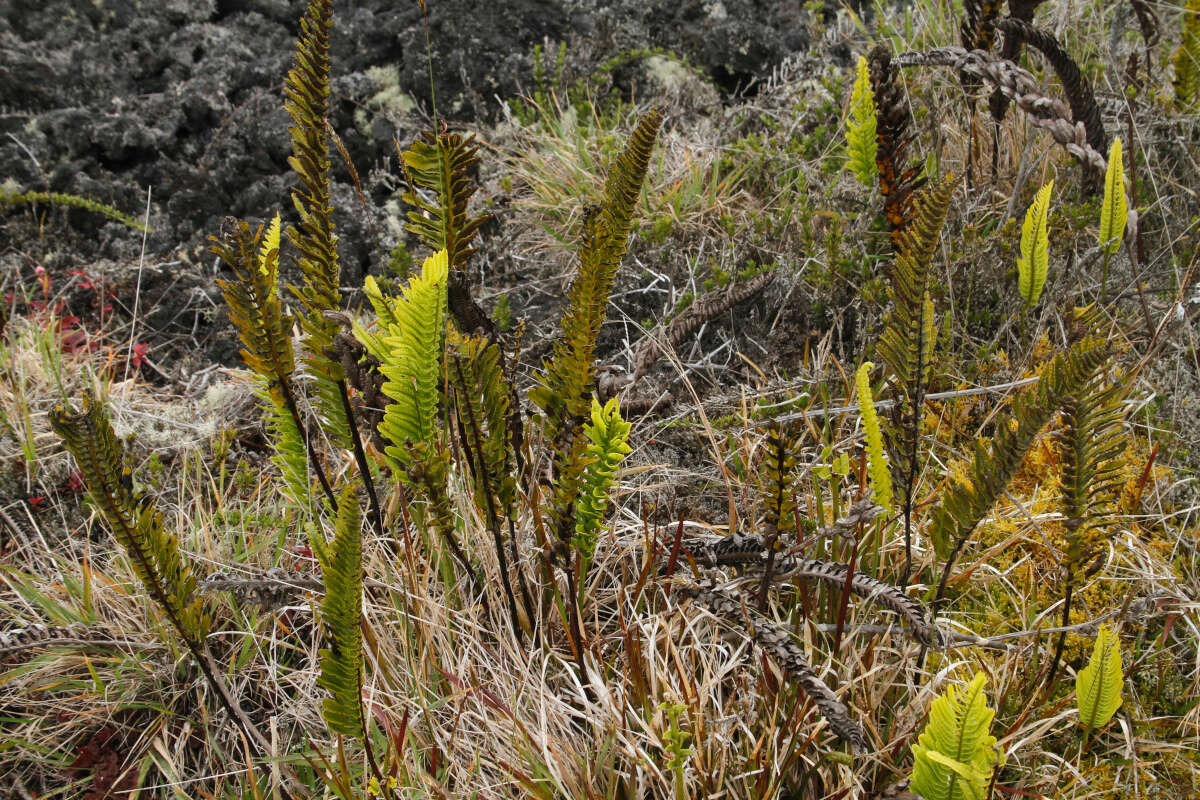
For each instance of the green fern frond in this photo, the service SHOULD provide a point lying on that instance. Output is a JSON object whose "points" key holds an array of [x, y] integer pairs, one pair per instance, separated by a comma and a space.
{"points": [[341, 615], [409, 348], [860, 128], [881, 478], [306, 93], [955, 755], [569, 375], [1115, 211], [482, 398], [1091, 472], [1186, 60], [131, 516], [15, 199], [909, 337], [966, 503], [442, 165], [1098, 685], [608, 435], [1034, 261]]}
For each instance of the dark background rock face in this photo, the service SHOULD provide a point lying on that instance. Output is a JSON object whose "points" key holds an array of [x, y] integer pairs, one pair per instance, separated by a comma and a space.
{"points": [[108, 99]]}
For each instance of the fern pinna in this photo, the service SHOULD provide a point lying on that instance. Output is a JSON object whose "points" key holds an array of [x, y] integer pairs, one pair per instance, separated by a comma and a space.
{"points": [[909, 336]]}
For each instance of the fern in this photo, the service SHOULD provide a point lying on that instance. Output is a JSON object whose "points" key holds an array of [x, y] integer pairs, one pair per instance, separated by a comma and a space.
{"points": [[898, 180], [860, 128], [153, 552], [569, 375], [409, 348], [341, 614], [1098, 685], [441, 167], [777, 489], [306, 93], [881, 479], [966, 502], [137, 525], [265, 333], [955, 755], [1034, 261], [909, 337], [14, 199], [1186, 60], [568, 378]]}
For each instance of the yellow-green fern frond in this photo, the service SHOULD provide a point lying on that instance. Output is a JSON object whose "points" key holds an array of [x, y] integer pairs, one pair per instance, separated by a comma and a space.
{"points": [[15, 199], [1187, 57], [131, 516], [409, 350], [881, 477], [992, 468], [955, 755], [1034, 261], [341, 614], [1115, 211], [777, 482], [1098, 685], [608, 435], [860, 128]]}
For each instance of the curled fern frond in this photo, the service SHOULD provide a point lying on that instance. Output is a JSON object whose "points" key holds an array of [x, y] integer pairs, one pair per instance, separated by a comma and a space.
{"points": [[881, 478], [1098, 685], [1010, 51], [442, 166], [341, 615], [777, 642], [860, 128], [1075, 86], [131, 516], [1034, 261], [978, 32], [955, 755]]}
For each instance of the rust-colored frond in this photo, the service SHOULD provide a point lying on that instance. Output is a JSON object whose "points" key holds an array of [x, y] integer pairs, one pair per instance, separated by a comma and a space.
{"points": [[897, 178]]}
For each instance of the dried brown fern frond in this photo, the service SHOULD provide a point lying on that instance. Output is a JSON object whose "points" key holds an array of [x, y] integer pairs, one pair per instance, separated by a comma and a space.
{"points": [[651, 348], [1010, 50], [1018, 85], [1077, 89], [898, 179], [978, 32], [778, 644]]}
